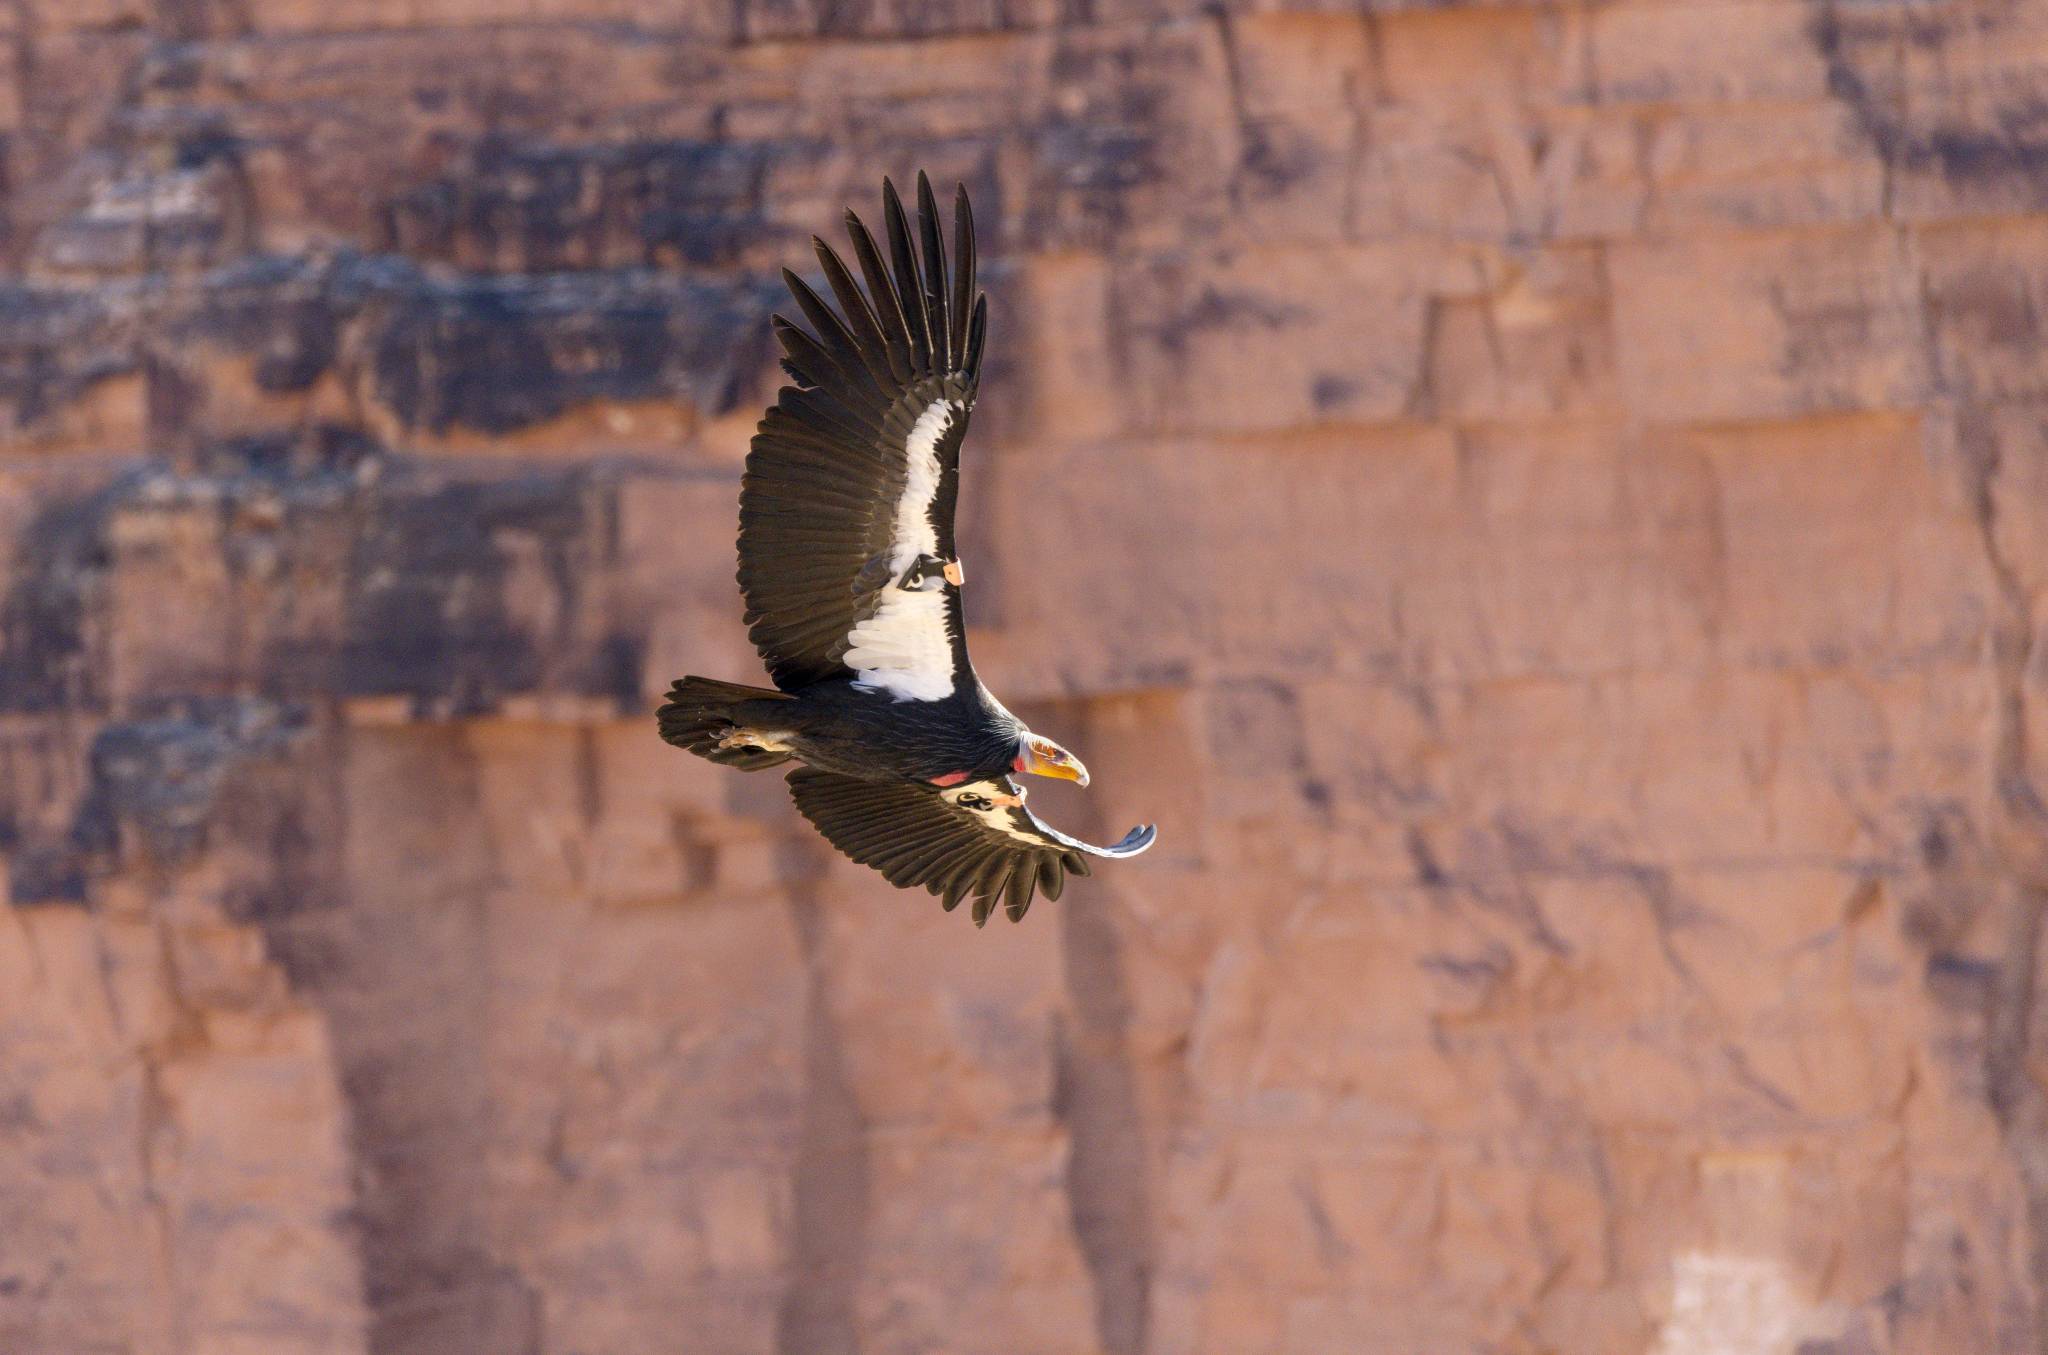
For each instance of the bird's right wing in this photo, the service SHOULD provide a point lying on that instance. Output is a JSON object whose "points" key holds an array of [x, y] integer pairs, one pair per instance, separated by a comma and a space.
{"points": [[846, 512], [975, 839]]}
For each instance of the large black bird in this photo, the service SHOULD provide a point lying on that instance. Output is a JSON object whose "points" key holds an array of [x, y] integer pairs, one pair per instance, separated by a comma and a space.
{"points": [[853, 589]]}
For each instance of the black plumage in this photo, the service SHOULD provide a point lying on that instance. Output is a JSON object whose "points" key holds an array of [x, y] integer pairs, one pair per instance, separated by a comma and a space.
{"points": [[953, 843], [852, 583]]}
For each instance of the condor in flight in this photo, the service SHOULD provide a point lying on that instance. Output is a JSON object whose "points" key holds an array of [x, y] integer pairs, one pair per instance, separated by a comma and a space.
{"points": [[853, 587]]}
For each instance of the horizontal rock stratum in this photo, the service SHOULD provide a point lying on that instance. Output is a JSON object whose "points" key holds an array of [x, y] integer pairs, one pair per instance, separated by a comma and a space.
{"points": [[1545, 504]]}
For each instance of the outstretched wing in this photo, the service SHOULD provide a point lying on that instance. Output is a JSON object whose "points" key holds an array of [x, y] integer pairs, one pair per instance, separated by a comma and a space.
{"points": [[955, 842], [846, 511]]}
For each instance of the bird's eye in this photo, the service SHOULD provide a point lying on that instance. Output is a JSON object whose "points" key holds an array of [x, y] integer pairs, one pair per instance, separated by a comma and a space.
{"points": [[972, 802]]}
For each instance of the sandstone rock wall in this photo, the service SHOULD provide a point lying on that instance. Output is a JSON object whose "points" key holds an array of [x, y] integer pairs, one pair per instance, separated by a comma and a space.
{"points": [[1543, 503]]}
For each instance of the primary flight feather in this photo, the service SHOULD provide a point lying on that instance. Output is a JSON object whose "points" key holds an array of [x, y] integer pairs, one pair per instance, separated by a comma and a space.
{"points": [[852, 584]]}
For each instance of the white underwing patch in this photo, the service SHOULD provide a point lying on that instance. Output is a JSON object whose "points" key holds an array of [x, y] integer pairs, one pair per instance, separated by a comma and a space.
{"points": [[1000, 818], [772, 741], [905, 648]]}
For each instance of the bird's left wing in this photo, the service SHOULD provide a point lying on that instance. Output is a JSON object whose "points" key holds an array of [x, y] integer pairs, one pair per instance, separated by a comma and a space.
{"points": [[974, 839], [846, 512]]}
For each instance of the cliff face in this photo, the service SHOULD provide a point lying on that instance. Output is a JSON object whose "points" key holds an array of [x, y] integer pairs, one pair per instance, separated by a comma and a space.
{"points": [[1544, 505]]}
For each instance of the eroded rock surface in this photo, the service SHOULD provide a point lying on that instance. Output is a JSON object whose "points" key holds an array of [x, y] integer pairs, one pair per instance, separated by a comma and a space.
{"points": [[1543, 503]]}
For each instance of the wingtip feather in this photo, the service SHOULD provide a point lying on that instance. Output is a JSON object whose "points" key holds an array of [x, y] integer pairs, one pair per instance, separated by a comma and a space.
{"points": [[910, 287], [938, 321], [1139, 839], [963, 275], [977, 332]]}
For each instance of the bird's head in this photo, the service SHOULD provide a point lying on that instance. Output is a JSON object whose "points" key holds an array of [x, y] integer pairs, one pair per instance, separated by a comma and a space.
{"points": [[1043, 757]]}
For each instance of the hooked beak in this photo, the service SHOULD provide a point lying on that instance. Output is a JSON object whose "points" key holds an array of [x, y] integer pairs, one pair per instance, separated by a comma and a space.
{"points": [[1063, 764]]}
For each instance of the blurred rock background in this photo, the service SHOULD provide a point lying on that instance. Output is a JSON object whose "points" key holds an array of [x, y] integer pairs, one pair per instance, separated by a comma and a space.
{"points": [[1546, 504]]}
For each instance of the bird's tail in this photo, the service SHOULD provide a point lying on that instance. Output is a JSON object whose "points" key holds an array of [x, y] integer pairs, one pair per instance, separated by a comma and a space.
{"points": [[710, 718]]}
